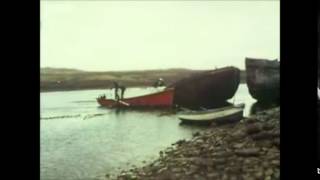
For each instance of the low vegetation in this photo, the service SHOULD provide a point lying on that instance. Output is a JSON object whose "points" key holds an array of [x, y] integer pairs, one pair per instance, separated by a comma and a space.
{"points": [[60, 79]]}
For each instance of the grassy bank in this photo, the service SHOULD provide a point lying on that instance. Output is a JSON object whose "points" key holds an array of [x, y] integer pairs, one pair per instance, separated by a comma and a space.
{"points": [[59, 79]]}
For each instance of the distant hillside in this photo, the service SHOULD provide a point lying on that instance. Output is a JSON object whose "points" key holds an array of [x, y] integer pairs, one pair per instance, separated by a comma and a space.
{"points": [[48, 70], [56, 79]]}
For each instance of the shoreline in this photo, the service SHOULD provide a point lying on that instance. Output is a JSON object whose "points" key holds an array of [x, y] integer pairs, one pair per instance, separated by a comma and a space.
{"points": [[249, 149]]}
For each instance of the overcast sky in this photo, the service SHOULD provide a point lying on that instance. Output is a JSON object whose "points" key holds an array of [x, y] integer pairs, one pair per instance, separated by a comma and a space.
{"points": [[136, 35]]}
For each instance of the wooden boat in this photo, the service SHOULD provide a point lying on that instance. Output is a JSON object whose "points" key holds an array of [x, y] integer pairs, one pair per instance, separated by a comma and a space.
{"points": [[219, 115], [263, 79], [208, 89], [158, 99]]}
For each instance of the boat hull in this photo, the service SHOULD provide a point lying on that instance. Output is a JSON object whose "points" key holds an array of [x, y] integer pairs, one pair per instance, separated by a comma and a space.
{"points": [[160, 99], [208, 89], [263, 79], [218, 116]]}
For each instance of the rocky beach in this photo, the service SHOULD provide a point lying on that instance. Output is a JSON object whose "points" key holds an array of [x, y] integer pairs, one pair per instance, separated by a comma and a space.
{"points": [[244, 150]]}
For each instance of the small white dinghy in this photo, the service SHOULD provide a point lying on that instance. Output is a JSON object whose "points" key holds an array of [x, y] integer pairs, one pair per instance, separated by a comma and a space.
{"points": [[220, 115]]}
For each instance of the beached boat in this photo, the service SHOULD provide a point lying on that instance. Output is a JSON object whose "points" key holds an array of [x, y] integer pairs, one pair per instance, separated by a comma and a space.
{"points": [[263, 79], [209, 89], [158, 99], [219, 115]]}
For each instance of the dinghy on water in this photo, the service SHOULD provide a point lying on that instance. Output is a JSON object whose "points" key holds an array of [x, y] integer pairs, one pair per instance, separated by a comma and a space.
{"points": [[220, 115], [158, 99]]}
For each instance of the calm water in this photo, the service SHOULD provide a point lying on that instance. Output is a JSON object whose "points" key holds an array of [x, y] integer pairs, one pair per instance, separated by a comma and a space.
{"points": [[81, 141]]}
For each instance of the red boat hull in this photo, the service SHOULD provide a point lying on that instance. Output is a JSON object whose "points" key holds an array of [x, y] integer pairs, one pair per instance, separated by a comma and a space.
{"points": [[160, 99]]}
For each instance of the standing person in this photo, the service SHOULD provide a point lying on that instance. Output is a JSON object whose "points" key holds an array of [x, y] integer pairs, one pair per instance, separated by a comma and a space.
{"points": [[318, 93], [123, 89], [159, 82], [116, 88]]}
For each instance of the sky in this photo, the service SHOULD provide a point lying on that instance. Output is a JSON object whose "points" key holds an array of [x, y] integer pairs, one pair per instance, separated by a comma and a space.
{"points": [[141, 35]]}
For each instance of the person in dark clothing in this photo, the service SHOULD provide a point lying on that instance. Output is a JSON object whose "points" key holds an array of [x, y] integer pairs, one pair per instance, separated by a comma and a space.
{"points": [[123, 89], [159, 83], [116, 89]]}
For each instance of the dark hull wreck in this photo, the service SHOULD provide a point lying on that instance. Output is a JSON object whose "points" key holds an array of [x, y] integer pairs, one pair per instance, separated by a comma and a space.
{"points": [[209, 89], [263, 79]]}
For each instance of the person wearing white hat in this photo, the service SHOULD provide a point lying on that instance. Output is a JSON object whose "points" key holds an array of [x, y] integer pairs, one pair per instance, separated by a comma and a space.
{"points": [[159, 82]]}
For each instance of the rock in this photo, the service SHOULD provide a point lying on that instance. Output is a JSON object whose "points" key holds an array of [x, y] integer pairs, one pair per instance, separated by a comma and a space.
{"points": [[276, 175], [233, 178], [259, 174], [265, 164], [265, 143], [193, 168], [220, 167], [196, 134], [218, 161], [199, 141], [247, 177], [274, 151], [223, 154], [250, 178], [267, 178], [247, 162], [275, 163], [161, 153], [267, 126], [175, 170], [203, 162], [180, 142], [238, 145], [262, 135], [248, 152], [276, 133], [161, 170], [166, 175], [253, 128], [269, 172], [238, 134], [225, 177], [251, 120], [212, 175], [198, 177]]}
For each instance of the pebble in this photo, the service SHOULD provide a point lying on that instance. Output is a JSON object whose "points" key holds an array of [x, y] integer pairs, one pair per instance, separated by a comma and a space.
{"points": [[248, 152], [269, 172], [267, 126], [213, 175], [253, 128], [262, 135], [251, 120], [275, 162], [267, 178]]}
